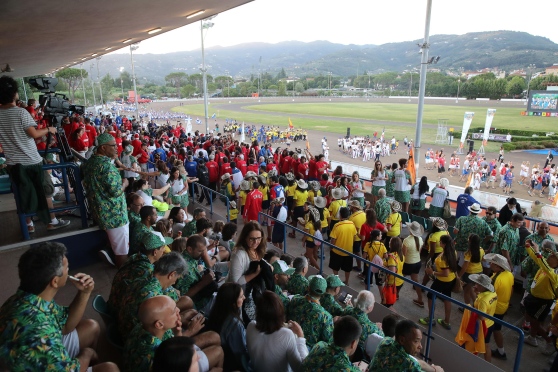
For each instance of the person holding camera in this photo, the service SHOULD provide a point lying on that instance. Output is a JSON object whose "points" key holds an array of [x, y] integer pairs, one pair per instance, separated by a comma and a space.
{"points": [[18, 132]]}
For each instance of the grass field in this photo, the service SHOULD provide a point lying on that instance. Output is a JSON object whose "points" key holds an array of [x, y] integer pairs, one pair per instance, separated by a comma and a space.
{"points": [[278, 114]]}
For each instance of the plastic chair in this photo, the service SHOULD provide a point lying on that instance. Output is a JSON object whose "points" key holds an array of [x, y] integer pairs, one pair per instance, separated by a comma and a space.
{"points": [[419, 219], [100, 305], [405, 217], [429, 224], [452, 234]]}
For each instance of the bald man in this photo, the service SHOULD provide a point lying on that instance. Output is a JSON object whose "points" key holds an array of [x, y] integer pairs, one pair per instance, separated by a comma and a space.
{"points": [[159, 318]]}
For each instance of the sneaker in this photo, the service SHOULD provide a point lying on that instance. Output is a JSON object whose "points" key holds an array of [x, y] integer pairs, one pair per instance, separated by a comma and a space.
{"points": [[496, 354], [30, 229], [443, 323], [424, 321], [530, 340], [549, 349], [61, 223], [526, 326], [104, 255]]}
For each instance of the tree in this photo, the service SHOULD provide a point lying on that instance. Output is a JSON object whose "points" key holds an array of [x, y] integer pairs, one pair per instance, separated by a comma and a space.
{"points": [[176, 79], [299, 87], [282, 91], [72, 78], [107, 83], [125, 81], [282, 74], [516, 86], [188, 90]]}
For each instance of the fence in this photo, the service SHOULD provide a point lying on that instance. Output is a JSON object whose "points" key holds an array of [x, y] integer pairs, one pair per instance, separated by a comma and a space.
{"points": [[210, 198], [435, 294]]}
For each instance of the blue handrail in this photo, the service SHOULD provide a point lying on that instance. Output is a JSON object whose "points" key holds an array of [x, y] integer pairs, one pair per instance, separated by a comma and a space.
{"points": [[434, 293], [210, 201]]}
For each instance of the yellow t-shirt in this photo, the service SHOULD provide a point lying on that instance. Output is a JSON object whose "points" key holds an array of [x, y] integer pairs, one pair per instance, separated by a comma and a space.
{"points": [[291, 190], [474, 267], [486, 302], [313, 194], [545, 280], [264, 191], [394, 219], [359, 219], [326, 216], [233, 214], [309, 227], [395, 260], [300, 198], [440, 265], [503, 284], [375, 248], [243, 194], [343, 232], [435, 238], [334, 208]]}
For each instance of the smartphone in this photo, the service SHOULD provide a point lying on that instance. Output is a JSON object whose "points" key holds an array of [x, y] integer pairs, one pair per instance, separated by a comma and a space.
{"points": [[363, 366], [347, 299]]}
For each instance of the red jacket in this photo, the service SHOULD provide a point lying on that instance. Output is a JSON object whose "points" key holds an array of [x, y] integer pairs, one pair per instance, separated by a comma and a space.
{"points": [[241, 164], [225, 168], [286, 164], [213, 169], [253, 205]]}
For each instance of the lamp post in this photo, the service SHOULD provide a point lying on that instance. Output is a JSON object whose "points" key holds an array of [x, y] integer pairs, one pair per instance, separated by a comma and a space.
{"points": [[99, 81], [530, 69], [458, 83], [329, 82], [93, 87], [205, 24], [410, 85], [132, 48]]}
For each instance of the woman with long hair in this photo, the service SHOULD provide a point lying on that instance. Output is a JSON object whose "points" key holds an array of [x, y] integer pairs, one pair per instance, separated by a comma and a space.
{"points": [[472, 265], [418, 196], [374, 247], [225, 319], [395, 263], [378, 177], [432, 242], [402, 178], [444, 279], [142, 188], [250, 246], [357, 189], [314, 224], [272, 345], [178, 217], [178, 189]]}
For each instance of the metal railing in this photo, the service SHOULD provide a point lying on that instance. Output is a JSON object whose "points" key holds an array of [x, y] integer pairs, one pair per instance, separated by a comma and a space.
{"points": [[435, 294], [209, 196]]}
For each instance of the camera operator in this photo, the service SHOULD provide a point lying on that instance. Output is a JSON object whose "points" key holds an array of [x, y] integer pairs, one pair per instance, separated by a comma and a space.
{"points": [[18, 132]]}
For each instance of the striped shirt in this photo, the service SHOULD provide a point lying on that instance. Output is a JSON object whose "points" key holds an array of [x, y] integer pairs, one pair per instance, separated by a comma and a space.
{"points": [[18, 146]]}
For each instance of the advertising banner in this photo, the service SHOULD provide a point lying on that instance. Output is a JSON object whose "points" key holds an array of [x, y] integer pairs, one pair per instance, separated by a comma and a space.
{"points": [[467, 120], [487, 124]]}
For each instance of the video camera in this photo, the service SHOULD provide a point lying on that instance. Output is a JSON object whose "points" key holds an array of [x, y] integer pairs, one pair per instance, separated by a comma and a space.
{"points": [[54, 105]]}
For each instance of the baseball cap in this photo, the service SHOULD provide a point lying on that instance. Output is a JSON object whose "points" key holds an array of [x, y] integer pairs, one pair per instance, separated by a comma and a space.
{"points": [[333, 281], [281, 267], [155, 240], [317, 284]]}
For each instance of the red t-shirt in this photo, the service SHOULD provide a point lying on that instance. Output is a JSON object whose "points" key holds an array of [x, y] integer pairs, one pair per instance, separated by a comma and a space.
{"points": [[253, 205], [119, 145], [294, 166], [225, 168], [271, 166], [254, 168], [302, 169], [312, 169], [213, 169], [321, 164], [143, 157], [241, 164], [366, 230], [286, 164], [137, 147]]}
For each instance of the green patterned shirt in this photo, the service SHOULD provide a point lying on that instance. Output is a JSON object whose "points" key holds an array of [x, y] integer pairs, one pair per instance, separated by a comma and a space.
{"points": [[139, 349], [316, 323], [390, 186], [467, 225], [31, 334], [103, 185], [368, 327], [330, 304], [189, 229], [382, 209], [282, 296], [494, 225], [392, 357], [139, 291], [135, 221], [136, 267], [190, 279], [297, 285], [508, 240], [529, 266], [326, 357]]}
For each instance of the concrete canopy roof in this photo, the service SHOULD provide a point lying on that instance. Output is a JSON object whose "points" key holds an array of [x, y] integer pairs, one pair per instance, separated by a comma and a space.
{"points": [[38, 37]]}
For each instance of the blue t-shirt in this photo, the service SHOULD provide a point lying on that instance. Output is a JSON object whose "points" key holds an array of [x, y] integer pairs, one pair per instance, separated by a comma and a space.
{"points": [[464, 201], [191, 168]]}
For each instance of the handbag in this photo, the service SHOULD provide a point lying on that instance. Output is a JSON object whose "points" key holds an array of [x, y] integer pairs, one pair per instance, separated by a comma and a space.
{"points": [[457, 286], [390, 294], [447, 209], [415, 203]]}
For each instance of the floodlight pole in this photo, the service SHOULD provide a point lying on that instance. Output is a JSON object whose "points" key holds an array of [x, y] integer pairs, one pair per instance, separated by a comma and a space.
{"points": [[24, 90], [132, 48], [204, 75], [423, 67], [83, 85], [93, 88], [99, 81]]}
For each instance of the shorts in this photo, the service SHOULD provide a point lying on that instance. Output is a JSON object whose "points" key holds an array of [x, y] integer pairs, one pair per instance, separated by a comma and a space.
{"points": [[442, 287], [203, 362], [356, 247], [309, 244], [298, 212], [537, 308], [338, 262], [409, 269], [120, 239], [441, 170], [265, 205], [493, 327], [71, 343]]}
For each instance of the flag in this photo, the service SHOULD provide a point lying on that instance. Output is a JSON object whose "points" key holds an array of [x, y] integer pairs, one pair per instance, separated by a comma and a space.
{"points": [[290, 124], [555, 202], [242, 135], [307, 144], [411, 166], [213, 116], [469, 179]]}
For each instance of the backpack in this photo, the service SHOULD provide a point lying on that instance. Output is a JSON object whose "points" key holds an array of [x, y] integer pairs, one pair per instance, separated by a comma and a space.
{"points": [[203, 175]]}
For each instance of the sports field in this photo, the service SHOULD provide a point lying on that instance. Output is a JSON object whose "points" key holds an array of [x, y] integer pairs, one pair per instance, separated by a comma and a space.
{"points": [[363, 118]]}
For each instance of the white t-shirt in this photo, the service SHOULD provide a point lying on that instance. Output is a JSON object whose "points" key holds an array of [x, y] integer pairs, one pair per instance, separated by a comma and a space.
{"points": [[19, 147]]}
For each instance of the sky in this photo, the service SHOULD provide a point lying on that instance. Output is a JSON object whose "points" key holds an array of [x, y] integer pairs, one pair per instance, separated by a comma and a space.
{"points": [[353, 22]]}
